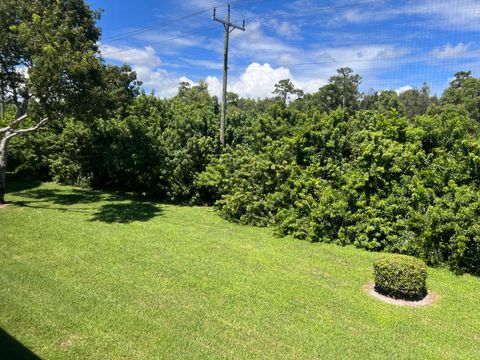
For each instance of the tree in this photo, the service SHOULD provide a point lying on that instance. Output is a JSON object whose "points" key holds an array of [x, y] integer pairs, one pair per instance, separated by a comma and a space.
{"points": [[369, 99], [347, 83], [341, 91], [460, 78], [388, 100], [183, 88], [232, 98], [464, 91], [50, 68], [284, 88], [416, 102], [193, 94]]}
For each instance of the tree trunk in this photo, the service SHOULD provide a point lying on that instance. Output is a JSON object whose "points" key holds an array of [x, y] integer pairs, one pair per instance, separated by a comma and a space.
{"points": [[10, 132], [3, 167]]}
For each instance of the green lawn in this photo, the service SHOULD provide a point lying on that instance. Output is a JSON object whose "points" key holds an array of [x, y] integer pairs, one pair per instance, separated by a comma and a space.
{"points": [[87, 274]]}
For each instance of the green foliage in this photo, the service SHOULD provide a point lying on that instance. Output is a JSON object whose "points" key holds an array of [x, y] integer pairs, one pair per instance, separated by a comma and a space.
{"points": [[158, 147], [284, 88], [50, 70], [245, 182], [400, 276], [342, 90], [416, 102], [394, 177], [371, 179], [464, 91], [55, 43]]}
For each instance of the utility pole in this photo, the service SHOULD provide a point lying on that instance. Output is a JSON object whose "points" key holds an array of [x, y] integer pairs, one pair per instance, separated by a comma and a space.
{"points": [[229, 27]]}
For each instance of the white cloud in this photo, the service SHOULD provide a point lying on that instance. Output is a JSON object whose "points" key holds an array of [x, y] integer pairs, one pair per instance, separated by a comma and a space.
{"points": [[146, 64], [354, 16], [205, 64], [255, 44], [449, 51], [258, 82], [170, 42], [142, 57], [462, 15], [366, 60], [214, 86], [285, 29], [163, 83], [311, 86], [362, 58], [403, 89]]}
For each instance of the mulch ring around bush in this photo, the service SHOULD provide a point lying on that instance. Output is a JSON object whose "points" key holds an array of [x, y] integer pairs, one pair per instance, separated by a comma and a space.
{"points": [[427, 300]]}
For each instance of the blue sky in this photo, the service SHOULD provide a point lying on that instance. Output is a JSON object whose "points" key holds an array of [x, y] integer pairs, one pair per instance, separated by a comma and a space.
{"points": [[391, 44]]}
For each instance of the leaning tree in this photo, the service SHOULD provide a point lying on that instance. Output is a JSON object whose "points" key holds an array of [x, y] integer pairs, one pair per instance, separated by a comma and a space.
{"points": [[50, 67]]}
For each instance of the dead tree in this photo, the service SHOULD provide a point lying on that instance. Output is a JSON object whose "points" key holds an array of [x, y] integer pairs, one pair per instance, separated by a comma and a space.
{"points": [[8, 133]]}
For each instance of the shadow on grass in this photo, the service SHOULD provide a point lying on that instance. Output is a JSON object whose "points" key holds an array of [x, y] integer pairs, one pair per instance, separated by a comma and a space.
{"points": [[113, 207], [40, 205], [66, 197], [126, 212], [10, 348], [15, 185]]}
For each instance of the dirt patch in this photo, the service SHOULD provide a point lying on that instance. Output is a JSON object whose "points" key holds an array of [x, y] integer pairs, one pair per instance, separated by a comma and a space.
{"points": [[427, 300], [66, 344], [4, 205]]}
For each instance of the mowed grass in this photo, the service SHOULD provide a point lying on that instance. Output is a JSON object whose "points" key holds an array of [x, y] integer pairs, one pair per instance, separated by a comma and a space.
{"points": [[95, 275]]}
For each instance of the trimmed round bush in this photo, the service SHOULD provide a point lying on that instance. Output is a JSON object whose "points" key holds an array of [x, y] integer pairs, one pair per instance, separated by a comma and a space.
{"points": [[401, 276]]}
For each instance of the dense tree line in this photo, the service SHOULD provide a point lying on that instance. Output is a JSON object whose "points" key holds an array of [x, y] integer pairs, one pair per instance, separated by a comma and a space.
{"points": [[379, 170], [400, 173]]}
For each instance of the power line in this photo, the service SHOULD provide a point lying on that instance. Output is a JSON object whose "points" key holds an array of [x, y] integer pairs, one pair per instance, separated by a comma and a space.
{"points": [[311, 11], [173, 21], [251, 19], [160, 41], [154, 27], [409, 61], [326, 62]]}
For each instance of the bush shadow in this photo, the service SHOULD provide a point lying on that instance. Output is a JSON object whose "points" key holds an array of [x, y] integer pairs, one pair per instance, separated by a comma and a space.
{"points": [[113, 207], [70, 197], [16, 184], [11, 348], [124, 213]]}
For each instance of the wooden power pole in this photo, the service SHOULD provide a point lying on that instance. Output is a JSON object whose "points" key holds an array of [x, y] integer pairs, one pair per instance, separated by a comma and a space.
{"points": [[229, 27]]}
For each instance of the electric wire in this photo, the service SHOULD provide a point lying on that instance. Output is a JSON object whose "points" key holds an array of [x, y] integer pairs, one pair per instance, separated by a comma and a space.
{"points": [[183, 35], [145, 29]]}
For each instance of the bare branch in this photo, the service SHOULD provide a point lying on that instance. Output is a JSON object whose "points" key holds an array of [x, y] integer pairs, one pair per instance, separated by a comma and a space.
{"points": [[13, 124], [17, 121], [40, 124], [24, 131]]}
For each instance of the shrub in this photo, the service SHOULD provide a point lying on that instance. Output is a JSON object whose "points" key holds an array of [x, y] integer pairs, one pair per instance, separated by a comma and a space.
{"points": [[400, 276]]}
